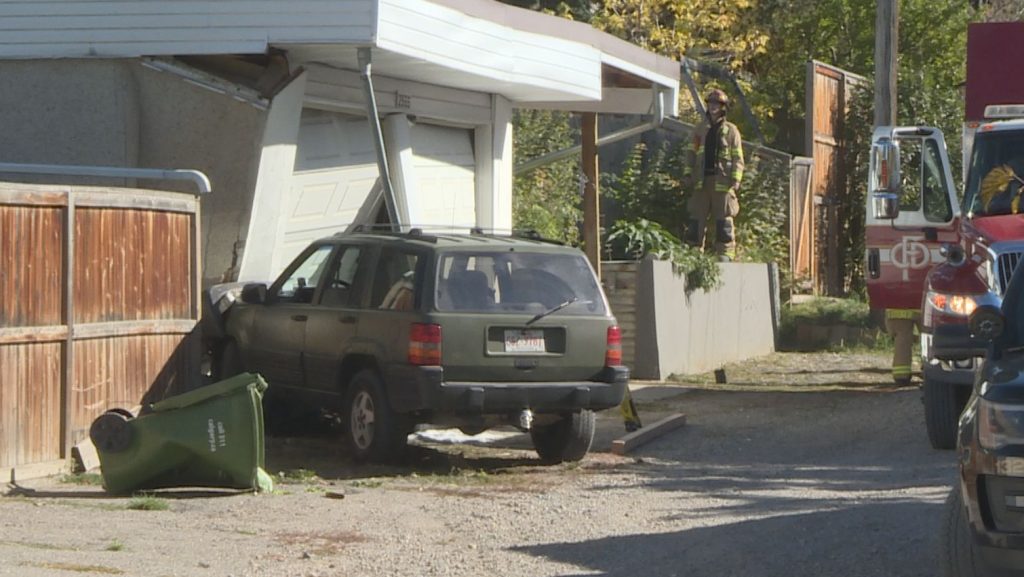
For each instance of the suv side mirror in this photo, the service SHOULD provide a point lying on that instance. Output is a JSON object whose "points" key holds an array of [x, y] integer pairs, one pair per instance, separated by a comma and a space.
{"points": [[254, 294], [987, 323]]}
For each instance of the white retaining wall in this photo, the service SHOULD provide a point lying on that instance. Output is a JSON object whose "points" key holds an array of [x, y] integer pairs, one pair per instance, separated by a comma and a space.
{"points": [[667, 331]]}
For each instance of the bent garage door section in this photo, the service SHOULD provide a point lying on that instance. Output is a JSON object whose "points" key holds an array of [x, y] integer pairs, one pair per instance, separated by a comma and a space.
{"points": [[127, 334]]}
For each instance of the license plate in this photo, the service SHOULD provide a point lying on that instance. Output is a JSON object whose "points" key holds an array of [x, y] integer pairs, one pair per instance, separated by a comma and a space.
{"points": [[524, 341]]}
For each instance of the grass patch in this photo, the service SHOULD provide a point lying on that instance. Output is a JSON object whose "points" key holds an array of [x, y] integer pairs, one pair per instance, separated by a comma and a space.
{"points": [[90, 479], [296, 476], [115, 545], [147, 503], [369, 483]]}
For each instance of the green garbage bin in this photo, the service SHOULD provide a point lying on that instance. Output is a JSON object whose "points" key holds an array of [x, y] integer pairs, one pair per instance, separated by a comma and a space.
{"points": [[209, 437]]}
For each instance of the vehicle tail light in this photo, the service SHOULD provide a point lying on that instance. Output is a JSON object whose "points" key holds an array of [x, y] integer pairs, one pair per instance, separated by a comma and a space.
{"points": [[425, 344], [613, 354]]}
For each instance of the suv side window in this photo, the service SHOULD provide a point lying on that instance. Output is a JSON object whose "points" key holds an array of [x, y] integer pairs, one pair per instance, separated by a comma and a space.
{"points": [[394, 282], [302, 282], [341, 288]]}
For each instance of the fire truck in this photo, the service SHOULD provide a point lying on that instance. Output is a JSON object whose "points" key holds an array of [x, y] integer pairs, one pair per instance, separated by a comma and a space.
{"points": [[932, 250]]}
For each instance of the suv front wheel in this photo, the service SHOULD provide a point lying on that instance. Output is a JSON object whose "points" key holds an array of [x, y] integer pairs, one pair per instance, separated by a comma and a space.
{"points": [[567, 439], [375, 432]]}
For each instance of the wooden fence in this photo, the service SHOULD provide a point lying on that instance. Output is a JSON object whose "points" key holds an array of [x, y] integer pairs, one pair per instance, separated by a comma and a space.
{"points": [[98, 309]]}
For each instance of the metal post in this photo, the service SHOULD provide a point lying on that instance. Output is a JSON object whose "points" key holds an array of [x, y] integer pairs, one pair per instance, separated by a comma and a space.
{"points": [[591, 207], [378, 138]]}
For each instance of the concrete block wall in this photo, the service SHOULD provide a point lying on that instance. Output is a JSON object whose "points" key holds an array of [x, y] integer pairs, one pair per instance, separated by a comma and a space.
{"points": [[667, 331]]}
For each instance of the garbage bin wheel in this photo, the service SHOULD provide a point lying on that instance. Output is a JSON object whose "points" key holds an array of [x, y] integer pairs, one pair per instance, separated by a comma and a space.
{"points": [[111, 432], [374, 432]]}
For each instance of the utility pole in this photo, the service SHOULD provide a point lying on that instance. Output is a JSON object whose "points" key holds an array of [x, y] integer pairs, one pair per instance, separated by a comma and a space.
{"points": [[887, 14]]}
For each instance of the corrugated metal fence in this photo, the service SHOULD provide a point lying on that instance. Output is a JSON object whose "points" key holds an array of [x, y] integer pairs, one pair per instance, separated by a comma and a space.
{"points": [[98, 309]]}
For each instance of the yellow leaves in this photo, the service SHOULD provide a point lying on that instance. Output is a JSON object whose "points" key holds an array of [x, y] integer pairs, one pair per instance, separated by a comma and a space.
{"points": [[675, 27]]}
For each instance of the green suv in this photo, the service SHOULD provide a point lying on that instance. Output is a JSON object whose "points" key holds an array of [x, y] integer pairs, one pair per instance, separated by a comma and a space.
{"points": [[390, 330]]}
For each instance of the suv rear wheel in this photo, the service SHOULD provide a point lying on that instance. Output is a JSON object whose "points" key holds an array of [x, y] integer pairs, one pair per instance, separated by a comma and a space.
{"points": [[567, 439], [375, 432]]}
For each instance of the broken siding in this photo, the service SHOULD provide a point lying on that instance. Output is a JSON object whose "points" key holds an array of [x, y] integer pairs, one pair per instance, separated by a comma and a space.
{"points": [[68, 29]]}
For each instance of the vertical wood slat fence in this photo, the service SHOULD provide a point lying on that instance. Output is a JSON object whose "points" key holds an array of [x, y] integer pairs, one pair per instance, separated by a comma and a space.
{"points": [[98, 309]]}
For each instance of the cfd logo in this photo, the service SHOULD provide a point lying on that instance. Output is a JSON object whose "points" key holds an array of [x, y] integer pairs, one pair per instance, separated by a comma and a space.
{"points": [[909, 253]]}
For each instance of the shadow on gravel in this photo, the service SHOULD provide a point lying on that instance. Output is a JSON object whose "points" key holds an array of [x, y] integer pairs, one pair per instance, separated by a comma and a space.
{"points": [[796, 545]]}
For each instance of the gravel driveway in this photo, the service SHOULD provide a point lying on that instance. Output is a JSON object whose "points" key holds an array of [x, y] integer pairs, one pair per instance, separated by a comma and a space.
{"points": [[790, 475]]}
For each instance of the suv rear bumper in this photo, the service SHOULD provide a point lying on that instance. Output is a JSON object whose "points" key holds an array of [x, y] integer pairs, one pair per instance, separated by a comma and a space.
{"points": [[424, 388]]}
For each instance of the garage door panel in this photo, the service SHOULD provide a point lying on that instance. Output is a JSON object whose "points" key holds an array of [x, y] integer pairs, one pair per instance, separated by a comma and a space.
{"points": [[445, 168]]}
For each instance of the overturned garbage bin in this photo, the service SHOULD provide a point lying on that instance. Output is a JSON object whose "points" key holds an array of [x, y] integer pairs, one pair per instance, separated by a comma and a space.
{"points": [[209, 437]]}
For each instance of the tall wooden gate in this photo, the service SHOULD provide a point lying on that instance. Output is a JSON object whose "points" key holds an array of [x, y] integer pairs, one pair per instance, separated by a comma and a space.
{"points": [[828, 89], [98, 309]]}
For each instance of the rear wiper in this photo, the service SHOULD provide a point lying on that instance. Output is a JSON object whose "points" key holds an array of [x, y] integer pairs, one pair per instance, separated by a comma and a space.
{"points": [[551, 310]]}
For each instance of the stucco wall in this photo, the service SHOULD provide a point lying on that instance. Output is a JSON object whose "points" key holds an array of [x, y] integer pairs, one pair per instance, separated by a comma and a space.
{"points": [[120, 113]]}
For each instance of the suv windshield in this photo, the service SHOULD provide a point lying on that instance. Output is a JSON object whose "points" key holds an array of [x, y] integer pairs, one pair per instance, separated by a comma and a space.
{"points": [[994, 178], [517, 282]]}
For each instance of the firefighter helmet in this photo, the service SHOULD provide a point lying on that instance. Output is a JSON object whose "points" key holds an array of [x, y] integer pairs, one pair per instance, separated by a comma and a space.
{"points": [[718, 96]]}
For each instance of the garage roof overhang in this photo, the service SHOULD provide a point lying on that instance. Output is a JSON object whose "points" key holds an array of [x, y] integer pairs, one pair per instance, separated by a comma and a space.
{"points": [[533, 59]]}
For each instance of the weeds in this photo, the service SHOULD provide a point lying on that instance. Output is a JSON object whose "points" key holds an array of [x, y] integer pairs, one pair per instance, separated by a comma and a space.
{"points": [[91, 479], [148, 503], [115, 545], [296, 476]]}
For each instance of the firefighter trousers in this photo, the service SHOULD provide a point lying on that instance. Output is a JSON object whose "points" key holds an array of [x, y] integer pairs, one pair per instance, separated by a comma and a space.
{"points": [[721, 205], [900, 325]]}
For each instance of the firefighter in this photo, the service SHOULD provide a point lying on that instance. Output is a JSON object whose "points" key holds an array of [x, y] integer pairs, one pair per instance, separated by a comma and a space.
{"points": [[712, 173], [900, 323]]}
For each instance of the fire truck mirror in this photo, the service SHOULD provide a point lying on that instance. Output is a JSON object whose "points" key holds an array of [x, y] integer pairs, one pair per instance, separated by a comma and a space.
{"points": [[885, 162], [885, 205]]}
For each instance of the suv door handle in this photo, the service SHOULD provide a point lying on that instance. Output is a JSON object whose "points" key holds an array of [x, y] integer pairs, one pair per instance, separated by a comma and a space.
{"points": [[347, 320], [300, 318]]}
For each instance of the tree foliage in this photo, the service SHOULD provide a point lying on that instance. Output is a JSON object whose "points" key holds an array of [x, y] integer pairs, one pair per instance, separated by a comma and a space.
{"points": [[546, 199]]}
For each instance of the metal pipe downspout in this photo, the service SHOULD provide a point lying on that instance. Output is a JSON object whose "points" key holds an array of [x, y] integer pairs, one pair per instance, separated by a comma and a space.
{"points": [[655, 122], [198, 178], [378, 137]]}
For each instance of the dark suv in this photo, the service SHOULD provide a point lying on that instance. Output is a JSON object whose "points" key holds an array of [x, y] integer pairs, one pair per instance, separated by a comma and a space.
{"points": [[984, 529], [390, 330]]}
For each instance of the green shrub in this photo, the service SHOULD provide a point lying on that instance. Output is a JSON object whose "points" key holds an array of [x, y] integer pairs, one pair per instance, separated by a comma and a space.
{"points": [[642, 237]]}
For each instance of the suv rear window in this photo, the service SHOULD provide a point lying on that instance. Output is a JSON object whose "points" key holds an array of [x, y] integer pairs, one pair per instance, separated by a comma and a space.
{"points": [[517, 281]]}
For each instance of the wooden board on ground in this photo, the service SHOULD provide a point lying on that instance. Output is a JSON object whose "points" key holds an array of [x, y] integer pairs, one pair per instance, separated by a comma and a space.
{"points": [[648, 433]]}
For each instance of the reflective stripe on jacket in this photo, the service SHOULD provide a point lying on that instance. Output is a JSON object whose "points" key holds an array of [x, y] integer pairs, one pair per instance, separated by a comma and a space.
{"points": [[728, 165]]}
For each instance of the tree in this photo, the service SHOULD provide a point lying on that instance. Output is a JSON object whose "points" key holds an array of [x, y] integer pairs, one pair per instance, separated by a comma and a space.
{"points": [[546, 199]]}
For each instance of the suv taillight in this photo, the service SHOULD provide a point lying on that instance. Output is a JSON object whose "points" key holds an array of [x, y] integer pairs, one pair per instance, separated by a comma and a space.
{"points": [[613, 354], [425, 344]]}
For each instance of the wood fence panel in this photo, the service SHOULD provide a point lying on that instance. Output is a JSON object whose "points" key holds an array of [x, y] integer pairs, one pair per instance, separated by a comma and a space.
{"points": [[31, 261], [828, 89], [801, 215], [30, 403], [124, 372], [132, 265], [132, 334]]}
